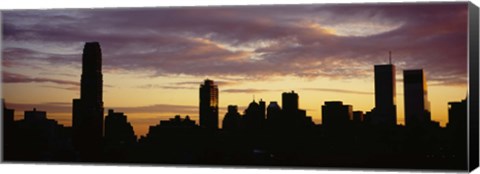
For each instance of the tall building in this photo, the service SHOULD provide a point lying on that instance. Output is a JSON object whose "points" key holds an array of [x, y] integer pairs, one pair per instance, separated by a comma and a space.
{"points": [[273, 111], [232, 120], [358, 117], [335, 114], [417, 106], [458, 127], [457, 115], [253, 118], [290, 101], [8, 131], [118, 131], [385, 112], [291, 116], [263, 108], [88, 110], [8, 115], [209, 105]]}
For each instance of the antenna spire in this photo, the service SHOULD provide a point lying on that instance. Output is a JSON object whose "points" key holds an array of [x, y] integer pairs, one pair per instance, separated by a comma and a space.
{"points": [[390, 57]]}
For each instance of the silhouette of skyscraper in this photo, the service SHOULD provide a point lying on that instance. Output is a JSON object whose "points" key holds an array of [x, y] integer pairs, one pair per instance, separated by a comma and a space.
{"points": [[335, 114], [8, 132], [209, 105], [263, 108], [34, 115], [358, 117], [254, 119], [290, 101], [117, 130], [88, 110], [232, 120], [385, 112], [457, 115], [273, 110], [457, 126], [8, 115], [417, 106], [292, 116]]}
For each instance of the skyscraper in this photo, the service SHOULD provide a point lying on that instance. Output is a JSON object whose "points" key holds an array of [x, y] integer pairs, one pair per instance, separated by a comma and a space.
{"points": [[232, 119], [8, 115], [458, 127], [88, 110], [335, 114], [118, 131], [385, 112], [457, 115], [253, 118], [290, 101], [8, 131], [417, 106], [209, 105], [273, 111], [263, 108]]}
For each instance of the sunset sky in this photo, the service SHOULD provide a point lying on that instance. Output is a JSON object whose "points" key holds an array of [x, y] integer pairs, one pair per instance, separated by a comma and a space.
{"points": [[154, 59]]}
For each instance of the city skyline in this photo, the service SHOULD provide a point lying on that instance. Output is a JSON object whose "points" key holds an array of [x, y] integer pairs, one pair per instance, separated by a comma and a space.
{"points": [[148, 91]]}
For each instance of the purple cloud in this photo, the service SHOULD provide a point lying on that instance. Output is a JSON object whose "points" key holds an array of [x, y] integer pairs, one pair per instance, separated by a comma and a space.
{"points": [[254, 42], [339, 91], [246, 90], [19, 78], [65, 107]]}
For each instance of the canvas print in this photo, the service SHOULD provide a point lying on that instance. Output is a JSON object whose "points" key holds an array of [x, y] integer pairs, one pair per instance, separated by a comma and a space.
{"points": [[379, 86]]}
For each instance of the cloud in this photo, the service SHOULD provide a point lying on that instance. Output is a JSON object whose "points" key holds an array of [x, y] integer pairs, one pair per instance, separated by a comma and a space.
{"points": [[254, 43], [157, 108], [19, 78], [66, 107], [339, 91], [156, 86], [54, 107], [197, 84], [185, 85], [70, 88], [246, 90]]}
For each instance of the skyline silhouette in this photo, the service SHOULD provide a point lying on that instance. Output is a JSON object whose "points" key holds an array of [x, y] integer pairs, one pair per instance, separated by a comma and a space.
{"points": [[303, 89], [254, 140], [210, 90], [314, 50]]}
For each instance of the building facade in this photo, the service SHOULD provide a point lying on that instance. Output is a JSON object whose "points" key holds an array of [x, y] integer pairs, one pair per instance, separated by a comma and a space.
{"points": [[209, 105], [417, 106], [87, 121], [385, 112]]}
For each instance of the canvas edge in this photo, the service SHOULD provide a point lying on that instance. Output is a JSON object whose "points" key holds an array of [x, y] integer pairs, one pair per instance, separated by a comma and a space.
{"points": [[473, 104]]}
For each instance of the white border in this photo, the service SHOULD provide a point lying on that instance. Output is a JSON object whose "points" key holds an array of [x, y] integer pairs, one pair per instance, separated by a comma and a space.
{"points": [[51, 169]]}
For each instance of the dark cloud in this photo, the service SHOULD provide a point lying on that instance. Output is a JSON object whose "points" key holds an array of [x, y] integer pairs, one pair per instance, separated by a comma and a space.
{"points": [[158, 108], [339, 91], [185, 85], [19, 78], [156, 86], [71, 88], [246, 90], [254, 42], [62, 107], [49, 107], [217, 82]]}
